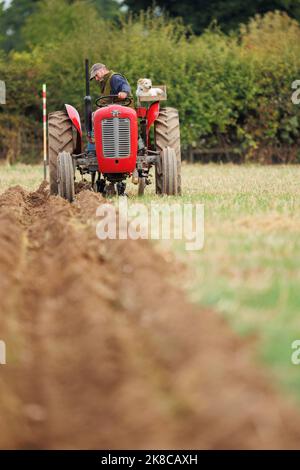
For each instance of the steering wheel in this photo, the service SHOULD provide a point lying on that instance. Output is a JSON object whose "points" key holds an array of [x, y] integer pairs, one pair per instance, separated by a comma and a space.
{"points": [[126, 102]]}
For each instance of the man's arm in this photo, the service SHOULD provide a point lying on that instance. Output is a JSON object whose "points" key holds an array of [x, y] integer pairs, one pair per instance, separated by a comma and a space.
{"points": [[120, 86]]}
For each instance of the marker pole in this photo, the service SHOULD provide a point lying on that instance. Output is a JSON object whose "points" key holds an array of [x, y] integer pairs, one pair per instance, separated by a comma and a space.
{"points": [[45, 129]]}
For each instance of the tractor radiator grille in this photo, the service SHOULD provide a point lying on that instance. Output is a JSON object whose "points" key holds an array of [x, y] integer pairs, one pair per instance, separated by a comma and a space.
{"points": [[116, 137]]}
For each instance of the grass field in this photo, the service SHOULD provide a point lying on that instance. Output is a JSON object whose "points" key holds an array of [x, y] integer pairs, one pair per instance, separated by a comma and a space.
{"points": [[27, 176], [248, 270]]}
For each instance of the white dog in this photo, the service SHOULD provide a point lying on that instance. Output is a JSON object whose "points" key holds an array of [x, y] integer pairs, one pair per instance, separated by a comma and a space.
{"points": [[144, 88]]}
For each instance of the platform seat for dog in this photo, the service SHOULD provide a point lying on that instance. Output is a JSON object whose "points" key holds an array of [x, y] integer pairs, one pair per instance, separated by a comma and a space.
{"points": [[155, 98]]}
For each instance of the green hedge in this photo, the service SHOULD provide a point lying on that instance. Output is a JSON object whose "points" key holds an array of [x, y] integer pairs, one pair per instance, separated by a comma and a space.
{"points": [[232, 92]]}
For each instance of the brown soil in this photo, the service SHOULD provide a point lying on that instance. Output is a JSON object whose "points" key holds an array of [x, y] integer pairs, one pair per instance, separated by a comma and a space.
{"points": [[104, 353]]}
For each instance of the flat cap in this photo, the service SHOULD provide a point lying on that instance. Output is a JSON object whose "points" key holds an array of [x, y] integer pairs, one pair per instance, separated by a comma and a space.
{"points": [[95, 69]]}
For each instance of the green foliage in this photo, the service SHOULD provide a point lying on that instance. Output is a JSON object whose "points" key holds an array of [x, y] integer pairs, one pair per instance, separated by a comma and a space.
{"points": [[231, 91], [19, 13], [227, 13], [107, 9], [13, 19], [2, 29], [55, 20]]}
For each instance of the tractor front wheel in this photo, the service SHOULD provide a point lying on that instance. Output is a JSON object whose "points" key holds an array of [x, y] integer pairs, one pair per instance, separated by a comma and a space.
{"points": [[65, 176], [166, 175]]}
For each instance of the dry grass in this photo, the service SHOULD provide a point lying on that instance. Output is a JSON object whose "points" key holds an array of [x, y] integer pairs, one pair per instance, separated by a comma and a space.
{"points": [[249, 267], [27, 176]]}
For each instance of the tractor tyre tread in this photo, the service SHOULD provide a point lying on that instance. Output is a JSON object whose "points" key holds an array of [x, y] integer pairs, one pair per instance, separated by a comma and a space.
{"points": [[60, 139], [167, 134]]}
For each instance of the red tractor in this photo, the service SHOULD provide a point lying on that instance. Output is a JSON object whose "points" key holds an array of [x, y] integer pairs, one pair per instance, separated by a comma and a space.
{"points": [[120, 145]]}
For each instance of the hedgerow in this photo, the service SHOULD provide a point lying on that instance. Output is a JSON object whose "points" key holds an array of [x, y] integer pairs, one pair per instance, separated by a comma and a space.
{"points": [[233, 92]]}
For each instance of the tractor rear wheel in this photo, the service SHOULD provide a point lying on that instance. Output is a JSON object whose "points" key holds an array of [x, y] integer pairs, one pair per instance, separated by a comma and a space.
{"points": [[167, 134], [60, 139], [166, 172], [65, 176]]}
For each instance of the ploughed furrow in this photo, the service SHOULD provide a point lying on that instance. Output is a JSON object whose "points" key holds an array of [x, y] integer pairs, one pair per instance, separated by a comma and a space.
{"points": [[12, 260], [105, 353]]}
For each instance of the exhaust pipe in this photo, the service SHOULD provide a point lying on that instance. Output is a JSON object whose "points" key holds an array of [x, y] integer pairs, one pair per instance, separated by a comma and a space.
{"points": [[87, 101]]}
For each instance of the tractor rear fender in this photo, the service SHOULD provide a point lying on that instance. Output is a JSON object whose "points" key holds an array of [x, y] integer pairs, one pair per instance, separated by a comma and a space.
{"points": [[75, 119], [152, 114]]}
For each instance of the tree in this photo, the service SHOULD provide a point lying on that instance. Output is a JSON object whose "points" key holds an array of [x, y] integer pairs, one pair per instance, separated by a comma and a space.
{"points": [[12, 20], [54, 20], [228, 13], [2, 34], [108, 9]]}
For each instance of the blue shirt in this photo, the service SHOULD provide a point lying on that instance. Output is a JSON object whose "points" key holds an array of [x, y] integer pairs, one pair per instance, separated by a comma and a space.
{"points": [[119, 83]]}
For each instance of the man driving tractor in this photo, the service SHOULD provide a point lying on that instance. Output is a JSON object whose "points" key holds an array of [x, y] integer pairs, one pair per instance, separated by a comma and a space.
{"points": [[118, 141], [111, 83]]}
